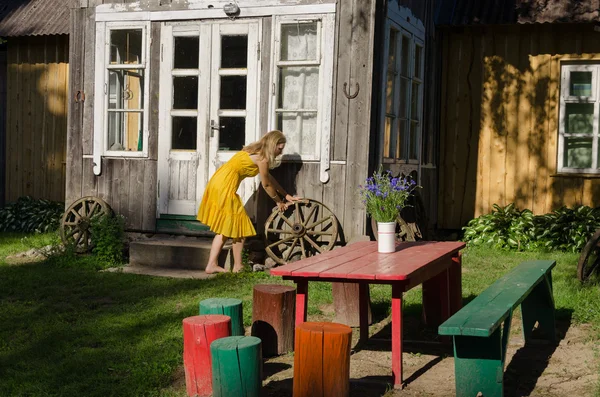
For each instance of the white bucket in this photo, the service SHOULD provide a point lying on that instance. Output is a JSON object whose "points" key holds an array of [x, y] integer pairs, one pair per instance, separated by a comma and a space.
{"points": [[386, 237]]}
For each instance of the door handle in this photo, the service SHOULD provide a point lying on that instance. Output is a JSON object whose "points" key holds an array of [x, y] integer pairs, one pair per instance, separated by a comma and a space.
{"points": [[213, 126]]}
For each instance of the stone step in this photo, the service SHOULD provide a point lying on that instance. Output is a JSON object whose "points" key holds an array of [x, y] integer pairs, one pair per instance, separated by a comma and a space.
{"points": [[186, 253]]}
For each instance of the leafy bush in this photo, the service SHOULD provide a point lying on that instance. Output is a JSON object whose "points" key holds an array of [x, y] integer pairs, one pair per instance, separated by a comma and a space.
{"points": [[29, 215], [564, 229], [108, 238]]}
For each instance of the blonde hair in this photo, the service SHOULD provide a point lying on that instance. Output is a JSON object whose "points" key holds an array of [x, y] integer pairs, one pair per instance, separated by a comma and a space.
{"points": [[265, 147]]}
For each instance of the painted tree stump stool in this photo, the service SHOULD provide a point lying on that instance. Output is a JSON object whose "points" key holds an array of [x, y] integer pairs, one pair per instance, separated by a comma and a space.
{"points": [[198, 333], [322, 360], [273, 309], [236, 366], [229, 307]]}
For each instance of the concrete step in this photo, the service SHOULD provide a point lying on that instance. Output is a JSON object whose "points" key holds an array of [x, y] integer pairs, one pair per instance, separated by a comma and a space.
{"points": [[162, 272], [184, 253]]}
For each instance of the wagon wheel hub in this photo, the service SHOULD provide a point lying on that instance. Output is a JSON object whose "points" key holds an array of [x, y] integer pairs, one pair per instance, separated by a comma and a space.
{"points": [[83, 224], [298, 230]]}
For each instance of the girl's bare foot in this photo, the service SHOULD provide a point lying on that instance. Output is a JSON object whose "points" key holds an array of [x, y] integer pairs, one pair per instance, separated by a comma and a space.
{"points": [[237, 268], [211, 269]]}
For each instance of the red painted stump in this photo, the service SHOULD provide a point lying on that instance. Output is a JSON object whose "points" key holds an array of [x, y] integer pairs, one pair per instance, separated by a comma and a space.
{"points": [[322, 360], [198, 333], [273, 310]]}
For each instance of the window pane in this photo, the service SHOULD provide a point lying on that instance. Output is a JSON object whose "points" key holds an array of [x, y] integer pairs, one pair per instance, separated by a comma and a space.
{"points": [[234, 51], [184, 133], [232, 133], [402, 131], [388, 151], [414, 101], [578, 153], [126, 46], [126, 89], [392, 50], [125, 131], [405, 60], [403, 105], [186, 52], [185, 92], [580, 84], [300, 130], [299, 42], [418, 59], [579, 118], [233, 92], [389, 93], [414, 140], [298, 88]]}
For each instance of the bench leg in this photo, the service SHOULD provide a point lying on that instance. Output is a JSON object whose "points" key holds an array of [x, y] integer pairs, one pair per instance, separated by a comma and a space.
{"points": [[539, 307], [479, 365], [301, 301]]}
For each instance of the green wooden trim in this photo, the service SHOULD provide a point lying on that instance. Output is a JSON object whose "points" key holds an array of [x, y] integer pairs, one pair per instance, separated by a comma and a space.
{"points": [[178, 226], [484, 314], [178, 217]]}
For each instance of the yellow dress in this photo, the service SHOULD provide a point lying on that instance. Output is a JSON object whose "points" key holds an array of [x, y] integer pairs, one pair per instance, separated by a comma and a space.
{"points": [[221, 208]]}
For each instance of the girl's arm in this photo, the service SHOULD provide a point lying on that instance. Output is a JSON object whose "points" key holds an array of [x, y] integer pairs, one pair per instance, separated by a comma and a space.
{"points": [[267, 183]]}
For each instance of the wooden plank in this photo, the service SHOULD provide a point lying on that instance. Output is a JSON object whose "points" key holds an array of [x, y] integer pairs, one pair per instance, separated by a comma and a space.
{"points": [[359, 132], [363, 255], [264, 78], [89, 185], [26, 140], [149, 196], [339, 137], [135, 185], [89, 60], [37, 131], [331, 197], [77, 44], [552, 105], [13, 90], [154, 88], [122, 181], [444, 128], [4, 124], [105, 182], [49, 84], [510, 119]]}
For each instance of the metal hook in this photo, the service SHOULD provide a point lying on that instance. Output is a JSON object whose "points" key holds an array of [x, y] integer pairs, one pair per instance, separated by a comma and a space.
{"points": [[348, 94]]}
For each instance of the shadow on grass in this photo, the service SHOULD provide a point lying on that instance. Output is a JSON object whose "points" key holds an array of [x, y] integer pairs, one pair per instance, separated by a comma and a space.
{"points": [[71, 331]]}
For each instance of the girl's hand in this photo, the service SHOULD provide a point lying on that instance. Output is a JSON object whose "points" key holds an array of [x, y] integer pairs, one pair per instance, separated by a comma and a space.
{"points": [[291, 198], [282, 206]]}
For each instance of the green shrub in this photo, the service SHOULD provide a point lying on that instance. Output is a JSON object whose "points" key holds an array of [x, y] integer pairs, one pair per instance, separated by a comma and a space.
{"points": [[108, 238], [29, 215], [510, 228]]}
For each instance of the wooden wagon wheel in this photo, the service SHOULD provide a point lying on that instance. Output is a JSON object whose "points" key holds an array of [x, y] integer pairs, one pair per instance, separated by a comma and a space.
{"points": [[76, 222], [589, 258], [305, 229]]}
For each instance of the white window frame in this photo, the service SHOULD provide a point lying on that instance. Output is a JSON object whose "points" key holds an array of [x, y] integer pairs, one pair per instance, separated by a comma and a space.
{"points": [[325, 89], [405, 24], [565, 98], [102, 49]]}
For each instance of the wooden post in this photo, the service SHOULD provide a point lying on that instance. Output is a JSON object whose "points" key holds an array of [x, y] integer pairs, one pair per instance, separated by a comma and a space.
{"points": [[229, 307], [322, 360], [236, 366], [198, 333], [273, 308], [346, 300]]}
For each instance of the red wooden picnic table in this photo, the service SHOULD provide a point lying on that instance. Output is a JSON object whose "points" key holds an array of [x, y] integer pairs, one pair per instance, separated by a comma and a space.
{"points": [[436, 265]]}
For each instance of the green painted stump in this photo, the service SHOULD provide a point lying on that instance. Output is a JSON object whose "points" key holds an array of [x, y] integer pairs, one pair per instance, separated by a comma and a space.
{"points": [[227, 306], [236, 366]]}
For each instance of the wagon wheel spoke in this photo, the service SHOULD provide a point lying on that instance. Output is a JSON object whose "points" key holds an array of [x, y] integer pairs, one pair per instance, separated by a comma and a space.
{"points": [[291, 249], [286, 220], [72, 232], [77, 216], [85, 239], [78, 239], [317, 223], [303, 248], [315, 233], [315, 245], [280, 231], [70, 223], [285, 240], [310, 214], [93, 209]]}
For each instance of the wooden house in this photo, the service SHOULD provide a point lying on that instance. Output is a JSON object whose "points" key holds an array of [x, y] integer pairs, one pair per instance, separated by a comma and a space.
{"points": [[34, 71], [520, 106], [173, 88]]}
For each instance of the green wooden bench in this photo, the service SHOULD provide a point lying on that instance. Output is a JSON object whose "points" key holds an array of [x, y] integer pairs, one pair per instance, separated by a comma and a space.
{"points": [[479, 341]]}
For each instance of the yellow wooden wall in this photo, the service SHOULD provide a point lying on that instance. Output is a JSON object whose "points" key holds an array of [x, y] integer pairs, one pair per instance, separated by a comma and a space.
{"points": [[499, 120], [36, 116]]}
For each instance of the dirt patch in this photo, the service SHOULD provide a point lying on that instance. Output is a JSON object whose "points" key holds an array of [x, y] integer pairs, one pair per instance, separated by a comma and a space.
{"points": [[571, 368]]}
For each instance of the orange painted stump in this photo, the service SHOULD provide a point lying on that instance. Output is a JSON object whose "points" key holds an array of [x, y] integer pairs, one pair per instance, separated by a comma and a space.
{"points": [[198, 334], [273, 310], [322, 360]]}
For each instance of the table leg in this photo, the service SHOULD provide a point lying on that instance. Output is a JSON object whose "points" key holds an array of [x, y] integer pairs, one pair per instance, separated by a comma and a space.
{"points": [[455, 284], [363, 299], [301, 301], [397, 334]]}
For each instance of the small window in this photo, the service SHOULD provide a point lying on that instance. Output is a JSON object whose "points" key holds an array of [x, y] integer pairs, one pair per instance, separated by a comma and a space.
{"points": [[578, 124], [403, 97], [300, 75]]}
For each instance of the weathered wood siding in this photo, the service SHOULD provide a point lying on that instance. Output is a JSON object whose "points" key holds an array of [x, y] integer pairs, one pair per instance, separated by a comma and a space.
{"points": [[499, 120], [2, 124], [36, 117]]}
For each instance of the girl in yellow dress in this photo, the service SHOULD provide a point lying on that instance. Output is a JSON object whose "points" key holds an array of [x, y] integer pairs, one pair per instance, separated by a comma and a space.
{"points": [[223, 210]]}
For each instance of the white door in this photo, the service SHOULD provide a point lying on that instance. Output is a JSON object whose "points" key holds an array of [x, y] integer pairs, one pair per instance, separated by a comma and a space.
{"points": [[208, 107]]}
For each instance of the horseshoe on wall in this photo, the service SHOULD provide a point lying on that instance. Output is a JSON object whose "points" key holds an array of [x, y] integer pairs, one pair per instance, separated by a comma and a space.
{"points": [[348, 94]]}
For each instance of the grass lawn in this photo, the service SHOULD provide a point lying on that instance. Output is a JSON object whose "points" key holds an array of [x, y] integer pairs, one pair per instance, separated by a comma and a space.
{"points": [[67, 329]]}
